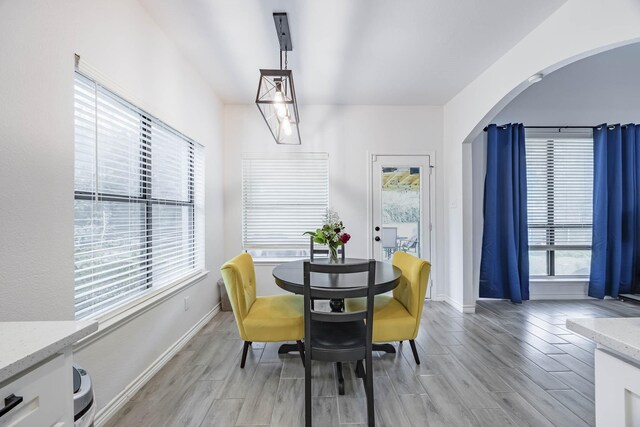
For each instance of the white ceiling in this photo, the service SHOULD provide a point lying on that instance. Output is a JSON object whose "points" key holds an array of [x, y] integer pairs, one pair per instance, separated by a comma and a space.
{"points": [[349, 51]]}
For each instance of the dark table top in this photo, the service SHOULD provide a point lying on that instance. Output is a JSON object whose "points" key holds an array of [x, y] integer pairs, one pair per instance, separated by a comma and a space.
{"points": [[289, 276]]}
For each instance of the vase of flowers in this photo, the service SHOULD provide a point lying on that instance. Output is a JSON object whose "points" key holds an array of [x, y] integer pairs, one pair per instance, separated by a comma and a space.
{"points": [[331, 234]]}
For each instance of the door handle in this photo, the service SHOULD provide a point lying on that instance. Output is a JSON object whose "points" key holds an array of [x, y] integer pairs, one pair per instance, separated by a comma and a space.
{"points": [[10, 402], [377, 238], [377, 228]]}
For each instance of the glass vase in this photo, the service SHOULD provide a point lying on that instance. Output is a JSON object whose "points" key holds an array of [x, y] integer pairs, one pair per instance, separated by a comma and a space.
{"points": [[333, 254]]}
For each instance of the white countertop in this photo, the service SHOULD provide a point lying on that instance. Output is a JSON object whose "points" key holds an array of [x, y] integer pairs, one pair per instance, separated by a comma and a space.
{"points": [[621, 335], [24, 344]]}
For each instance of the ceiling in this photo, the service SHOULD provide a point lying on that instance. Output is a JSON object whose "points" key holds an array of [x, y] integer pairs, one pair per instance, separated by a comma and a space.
{"points": [[369, 52]]}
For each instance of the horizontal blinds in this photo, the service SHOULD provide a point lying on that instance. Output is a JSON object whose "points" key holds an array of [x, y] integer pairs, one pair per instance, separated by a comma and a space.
{"points": [[138, 201], [283, 197], [559, 191]]}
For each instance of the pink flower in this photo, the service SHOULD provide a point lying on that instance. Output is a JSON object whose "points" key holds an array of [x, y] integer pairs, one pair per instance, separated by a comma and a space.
{"points": [[344, 238]]}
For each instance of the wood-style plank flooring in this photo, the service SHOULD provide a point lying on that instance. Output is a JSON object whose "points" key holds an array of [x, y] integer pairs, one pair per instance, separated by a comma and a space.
{"points": [[506, 365]]}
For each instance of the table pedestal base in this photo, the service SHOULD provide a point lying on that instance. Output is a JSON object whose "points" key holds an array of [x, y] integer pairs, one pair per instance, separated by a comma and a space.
{"points": [[288, 348], [337, 306], [387, 348]]}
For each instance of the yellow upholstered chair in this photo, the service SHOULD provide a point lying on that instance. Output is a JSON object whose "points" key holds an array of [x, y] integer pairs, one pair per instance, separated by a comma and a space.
{"points": [[261, 319], [397, 317]]}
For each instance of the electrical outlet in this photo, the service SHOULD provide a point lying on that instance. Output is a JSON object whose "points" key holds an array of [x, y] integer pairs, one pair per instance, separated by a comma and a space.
{"points": [[186, 303]]}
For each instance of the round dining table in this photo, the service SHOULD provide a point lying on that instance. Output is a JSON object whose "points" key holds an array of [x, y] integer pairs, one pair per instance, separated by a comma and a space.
{"points": [[290, 277]]}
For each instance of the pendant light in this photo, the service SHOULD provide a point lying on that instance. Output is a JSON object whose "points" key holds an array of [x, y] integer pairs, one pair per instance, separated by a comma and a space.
{"points": [[276, 97]]}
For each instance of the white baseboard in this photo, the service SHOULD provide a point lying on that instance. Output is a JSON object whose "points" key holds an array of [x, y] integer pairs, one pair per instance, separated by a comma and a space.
{"points": [[125, 395], [466, 309]]}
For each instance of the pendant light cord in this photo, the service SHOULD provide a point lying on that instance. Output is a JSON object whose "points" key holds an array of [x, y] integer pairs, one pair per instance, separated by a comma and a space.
{"points": [[286, 59], [279, 33]]}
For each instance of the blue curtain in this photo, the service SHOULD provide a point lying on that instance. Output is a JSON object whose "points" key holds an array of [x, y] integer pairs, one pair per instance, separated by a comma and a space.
{"points": [[615, 257], [504, 267]]}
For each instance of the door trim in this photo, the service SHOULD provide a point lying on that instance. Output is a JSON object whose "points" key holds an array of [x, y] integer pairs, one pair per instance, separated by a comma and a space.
{"points": [[433, 285]]}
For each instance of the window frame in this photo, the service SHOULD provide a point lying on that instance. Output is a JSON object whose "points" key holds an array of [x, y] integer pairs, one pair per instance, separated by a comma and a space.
{"points": [[550, 248], [275, 253], [145, 197]]}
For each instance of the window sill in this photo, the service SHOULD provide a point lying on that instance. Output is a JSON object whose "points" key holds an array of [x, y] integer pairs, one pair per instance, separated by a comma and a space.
{"points": [[558, 280], [275, 261], [122, 315]]}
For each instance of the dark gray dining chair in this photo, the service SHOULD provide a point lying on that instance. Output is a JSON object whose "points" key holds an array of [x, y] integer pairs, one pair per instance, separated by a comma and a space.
{"points": [[338, 336], [314, 250]]}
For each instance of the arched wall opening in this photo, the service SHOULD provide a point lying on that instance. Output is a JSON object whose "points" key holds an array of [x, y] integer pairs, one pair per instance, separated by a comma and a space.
{"points": [[598, 89], [579, 29]]}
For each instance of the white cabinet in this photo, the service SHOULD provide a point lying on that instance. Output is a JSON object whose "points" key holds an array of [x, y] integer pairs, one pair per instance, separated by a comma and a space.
{"points": [[36, 365], [47, 395], [617, 368], [617, 391]]}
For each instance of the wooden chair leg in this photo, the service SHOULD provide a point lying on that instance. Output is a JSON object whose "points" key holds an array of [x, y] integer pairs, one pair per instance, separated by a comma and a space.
{"points": [[245, 349], [415, 351], [307, 388], [369, 391], [301, 350]]}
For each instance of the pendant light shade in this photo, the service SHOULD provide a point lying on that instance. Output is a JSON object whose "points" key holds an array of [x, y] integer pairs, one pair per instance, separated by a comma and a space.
{"points": [[276, 100]]}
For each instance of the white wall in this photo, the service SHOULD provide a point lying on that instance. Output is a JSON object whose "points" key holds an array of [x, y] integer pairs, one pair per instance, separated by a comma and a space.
{"points": [[578, 29], [347, 133], [38, 40], [599, 89]]}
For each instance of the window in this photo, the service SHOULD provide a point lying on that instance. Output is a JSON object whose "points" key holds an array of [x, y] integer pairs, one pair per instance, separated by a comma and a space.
{"points": [[138, 201], [282, 197], [559, 204]]}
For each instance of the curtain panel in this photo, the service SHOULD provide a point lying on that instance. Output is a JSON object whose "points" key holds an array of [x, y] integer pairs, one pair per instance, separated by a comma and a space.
{"points": [[615, 258], [504, 266]]}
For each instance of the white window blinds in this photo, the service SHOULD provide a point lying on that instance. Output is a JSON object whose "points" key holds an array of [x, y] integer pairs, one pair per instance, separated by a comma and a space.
{"points": [[559, 203], [138, 201], [282, 197]]}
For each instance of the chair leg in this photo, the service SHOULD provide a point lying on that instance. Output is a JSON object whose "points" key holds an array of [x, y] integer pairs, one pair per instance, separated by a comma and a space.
{"points": [[307, 388], [369, 391], [340, 378], [301, 350], [245, 349], [415, 351]]}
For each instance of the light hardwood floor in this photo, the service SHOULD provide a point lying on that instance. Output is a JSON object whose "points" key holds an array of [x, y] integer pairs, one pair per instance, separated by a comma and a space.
{"points": [[505, 365]]}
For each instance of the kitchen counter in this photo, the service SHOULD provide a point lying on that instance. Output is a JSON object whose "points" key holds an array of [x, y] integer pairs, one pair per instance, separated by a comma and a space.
{"points": [[622, 335], [617, 368], [25, 344]]}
